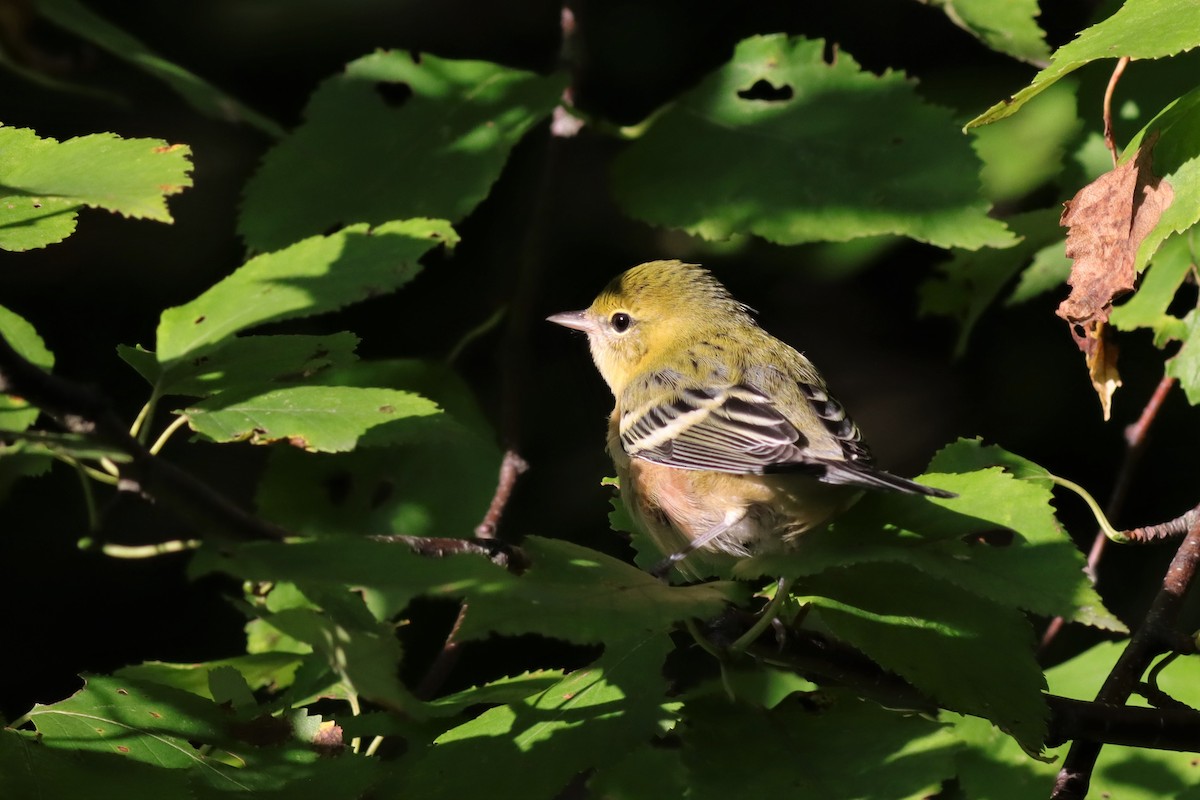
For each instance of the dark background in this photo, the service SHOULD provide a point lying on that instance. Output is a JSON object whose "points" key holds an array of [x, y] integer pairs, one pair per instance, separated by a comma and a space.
{"points": [[1022, 384]]}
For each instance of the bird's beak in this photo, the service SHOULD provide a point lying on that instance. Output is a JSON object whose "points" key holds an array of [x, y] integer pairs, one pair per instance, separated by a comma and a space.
{"points": [[579, 320]]}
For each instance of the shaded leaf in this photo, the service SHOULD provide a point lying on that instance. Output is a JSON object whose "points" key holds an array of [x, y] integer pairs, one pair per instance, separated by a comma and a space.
{"points": [[1138, 29], [259, 670], [1007, 27], [591, 718], [392, 137], [968, 654], [850, 749], [44, 183], [16, 414], [998, 539], [245, 361], [317, 275], [1026, 151], [774, 144], [646, 773], [966, 285], [1185, 365], [322, 418], [203, 96], [1048, 270], [1147, 308]]}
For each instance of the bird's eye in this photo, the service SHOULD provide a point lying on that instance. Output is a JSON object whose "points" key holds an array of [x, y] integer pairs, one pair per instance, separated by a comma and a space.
{"points": [[621, 321]]}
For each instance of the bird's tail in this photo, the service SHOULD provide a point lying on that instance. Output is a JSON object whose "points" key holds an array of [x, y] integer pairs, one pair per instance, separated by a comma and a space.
{"points": [[850, 473]]}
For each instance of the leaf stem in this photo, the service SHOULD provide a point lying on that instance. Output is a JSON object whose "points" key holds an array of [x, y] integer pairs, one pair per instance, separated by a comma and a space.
{"points": [[178, 423], [765, 617], [1105, 526]]}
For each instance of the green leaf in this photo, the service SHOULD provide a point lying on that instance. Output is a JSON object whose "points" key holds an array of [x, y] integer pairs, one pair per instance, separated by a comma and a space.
{"points": [[259, 670], [31, 769], [531, 749], [577, 594], [512, 689], [850, 749], [998, 540], [328, 419], [968, 654], [1008, 27], [16, 414], [569, 591], [317, 275], [44, 183], [757, 685], [1138, 29], [992, 766], [391, 137], [245, 361], [1048, 270], [1185, 366], [1147, 308], [1175, 136], [1023, 153], [647, 773], [1129, 772], [206, 98], [970, 282], [363, 652], [800, 165]]}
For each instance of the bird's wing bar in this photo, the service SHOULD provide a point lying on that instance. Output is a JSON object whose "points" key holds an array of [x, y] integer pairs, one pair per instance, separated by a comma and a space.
{"points": [[723, 429]]}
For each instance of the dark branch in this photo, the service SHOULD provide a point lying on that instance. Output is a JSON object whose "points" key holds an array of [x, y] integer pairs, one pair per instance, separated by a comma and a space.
{"points": [[510, 469], [1156, 635], [82, 410]]}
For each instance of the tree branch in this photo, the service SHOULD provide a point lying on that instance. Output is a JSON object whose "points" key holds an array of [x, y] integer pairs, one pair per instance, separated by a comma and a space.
{"points": [[82, 410], [1156, 635]]}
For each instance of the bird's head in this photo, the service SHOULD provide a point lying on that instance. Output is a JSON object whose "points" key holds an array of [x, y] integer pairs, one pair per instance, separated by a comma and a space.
{"points": [[649, 312]]}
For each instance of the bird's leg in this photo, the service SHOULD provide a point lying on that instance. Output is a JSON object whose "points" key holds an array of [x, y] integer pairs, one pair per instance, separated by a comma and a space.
{"points": [[660, 569], [766, 618]]}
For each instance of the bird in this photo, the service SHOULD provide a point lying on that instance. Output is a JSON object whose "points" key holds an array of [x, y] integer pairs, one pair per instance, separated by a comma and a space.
{"points": [[725, 439]]}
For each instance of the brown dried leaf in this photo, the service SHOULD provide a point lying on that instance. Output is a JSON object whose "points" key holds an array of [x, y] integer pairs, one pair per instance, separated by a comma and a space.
{"points": [[1107, 221]]}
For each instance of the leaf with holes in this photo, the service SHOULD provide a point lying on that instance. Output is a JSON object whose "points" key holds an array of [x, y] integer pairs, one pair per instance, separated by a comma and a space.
{"points": [[774, 143]]}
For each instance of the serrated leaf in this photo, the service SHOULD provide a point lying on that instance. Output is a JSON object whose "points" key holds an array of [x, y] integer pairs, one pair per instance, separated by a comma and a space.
{"points": [[31, 769], [394, 136], [326, 419], [245, 361], [969, 654], [317, 275], [203, 96], [998, 539], [799, 165], [1185, 365], [259, 670], [583, 596], [16, 414], [44, 182], [511, 689], [970, 282], [852, 749], [1147, 307], [1008, 27], [993, 766], [532, 749], [1048, 270], [1138, 29], [1174, 134]]}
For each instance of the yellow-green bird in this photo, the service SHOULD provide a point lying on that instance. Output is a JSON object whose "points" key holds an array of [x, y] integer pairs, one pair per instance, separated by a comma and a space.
{"points": [[725, 439]]}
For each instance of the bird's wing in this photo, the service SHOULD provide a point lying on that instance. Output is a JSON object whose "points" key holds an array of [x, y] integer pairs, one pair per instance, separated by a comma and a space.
{"points": [[723, 429], [738, 429]]}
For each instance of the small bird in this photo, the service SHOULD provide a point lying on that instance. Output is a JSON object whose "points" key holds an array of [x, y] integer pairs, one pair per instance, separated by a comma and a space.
{"points": [[725, 439]]}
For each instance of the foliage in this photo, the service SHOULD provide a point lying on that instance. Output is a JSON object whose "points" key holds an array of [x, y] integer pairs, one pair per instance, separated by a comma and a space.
{"points": [[377, 469]]}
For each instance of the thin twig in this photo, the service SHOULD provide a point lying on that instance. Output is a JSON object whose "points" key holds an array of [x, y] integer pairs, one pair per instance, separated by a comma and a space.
{"points": [[82, 410], [444, 662], [1136, 436], [510, 469], [1108, 95], [1156, 634]]}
